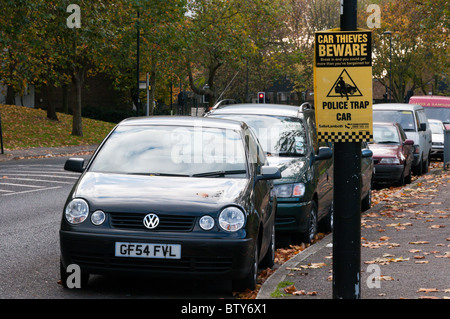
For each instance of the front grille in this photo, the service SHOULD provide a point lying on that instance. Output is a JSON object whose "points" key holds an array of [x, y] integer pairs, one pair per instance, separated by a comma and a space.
{"points": [[186, 264], [134, 221]]}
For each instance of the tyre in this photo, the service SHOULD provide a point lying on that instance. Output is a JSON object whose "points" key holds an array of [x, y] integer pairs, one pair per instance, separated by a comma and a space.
{"points": [[313, 225], [418, 169], [401, 181], [425, 165], [326, 224], [408, 177]]}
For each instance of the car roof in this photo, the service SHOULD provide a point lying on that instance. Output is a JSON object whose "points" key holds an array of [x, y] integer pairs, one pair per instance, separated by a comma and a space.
{"points": [[260, 109], [397, 106], [183, 121]]}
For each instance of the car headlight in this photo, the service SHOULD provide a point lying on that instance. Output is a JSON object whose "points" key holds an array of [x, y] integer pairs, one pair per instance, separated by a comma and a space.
{"points": [[76, 211], [206, 222], [231, 219], [290, 190], [390, 160], [98, 217]]}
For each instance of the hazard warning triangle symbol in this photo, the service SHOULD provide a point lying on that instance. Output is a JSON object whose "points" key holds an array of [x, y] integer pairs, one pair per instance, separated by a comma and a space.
{"points": [[344, 87]]}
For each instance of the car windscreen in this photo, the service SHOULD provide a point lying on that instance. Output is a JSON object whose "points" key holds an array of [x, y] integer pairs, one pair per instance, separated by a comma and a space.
{"points": [[278, 135], [385, 134], [172, 151], [438, 113], [404, 118], [436, 127]]}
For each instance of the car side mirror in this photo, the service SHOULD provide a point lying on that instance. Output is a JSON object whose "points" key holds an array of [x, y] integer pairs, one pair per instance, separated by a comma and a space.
{"points": [[422, 127], [408, 142], [366, 153], [269, 172], [324, 153], [74, 165]]}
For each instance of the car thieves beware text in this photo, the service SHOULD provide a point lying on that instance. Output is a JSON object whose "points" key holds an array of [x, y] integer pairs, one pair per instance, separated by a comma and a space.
{"points": [[343, 85]]}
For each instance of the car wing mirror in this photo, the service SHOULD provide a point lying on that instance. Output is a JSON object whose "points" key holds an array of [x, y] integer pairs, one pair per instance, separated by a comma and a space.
{"points": [[408, 142], [269, 172], [74, 165], [324, 153], [366, 153]]}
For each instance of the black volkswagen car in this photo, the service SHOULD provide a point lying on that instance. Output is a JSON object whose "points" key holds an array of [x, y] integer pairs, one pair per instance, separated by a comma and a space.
{"points": [[176, 196]]}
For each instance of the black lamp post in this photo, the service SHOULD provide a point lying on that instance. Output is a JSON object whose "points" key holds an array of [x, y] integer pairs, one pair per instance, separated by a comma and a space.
{"points": [[390, 64]]}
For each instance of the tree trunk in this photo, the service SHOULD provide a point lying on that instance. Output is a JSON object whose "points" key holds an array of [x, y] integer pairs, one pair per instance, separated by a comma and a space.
{"points": [[10, 95], [51, 110]]}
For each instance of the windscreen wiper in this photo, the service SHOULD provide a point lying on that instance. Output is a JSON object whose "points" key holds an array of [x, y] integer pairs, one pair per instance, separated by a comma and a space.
{"points": [[220, 173], [160, 174]]}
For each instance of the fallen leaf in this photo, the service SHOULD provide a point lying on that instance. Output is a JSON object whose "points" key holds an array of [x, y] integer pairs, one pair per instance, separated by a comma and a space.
{"points": [[384, 238], [418, 242], [290, 289], [427, 290]]}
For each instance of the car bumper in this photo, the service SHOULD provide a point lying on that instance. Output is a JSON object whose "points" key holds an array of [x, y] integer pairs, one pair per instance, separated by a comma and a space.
{"points": [[292, 217], [388, 173], [200, 257], [437, 150]]}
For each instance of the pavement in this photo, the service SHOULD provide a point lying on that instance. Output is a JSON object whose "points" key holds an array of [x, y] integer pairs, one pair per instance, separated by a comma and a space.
{"points": [[405, 250]]}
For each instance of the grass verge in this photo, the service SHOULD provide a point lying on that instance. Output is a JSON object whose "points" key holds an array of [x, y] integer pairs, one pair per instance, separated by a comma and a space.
{"points": [[25, 127]]}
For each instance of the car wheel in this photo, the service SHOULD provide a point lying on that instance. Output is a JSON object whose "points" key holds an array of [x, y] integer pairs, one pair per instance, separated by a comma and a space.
{"points": [[313, 225], [426, 164], [326, 224], [401, 181], [250, 281], [269, 258], [367, 201], [409, 177], [418, 169], [65, 276]]}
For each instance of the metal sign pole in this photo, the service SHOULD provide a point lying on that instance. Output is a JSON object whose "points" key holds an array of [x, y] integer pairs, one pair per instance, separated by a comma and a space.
{"points": [[347, 200]]}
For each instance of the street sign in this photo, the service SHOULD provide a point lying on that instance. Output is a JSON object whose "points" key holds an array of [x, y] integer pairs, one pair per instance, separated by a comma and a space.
{"points": [[343, 85]]}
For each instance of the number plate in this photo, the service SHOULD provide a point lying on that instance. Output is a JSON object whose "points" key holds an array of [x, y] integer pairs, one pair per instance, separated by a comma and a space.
{"points": [[142, 250]]}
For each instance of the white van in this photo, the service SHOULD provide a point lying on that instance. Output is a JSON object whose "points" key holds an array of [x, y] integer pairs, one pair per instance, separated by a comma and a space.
{"points": [[414, 122]]}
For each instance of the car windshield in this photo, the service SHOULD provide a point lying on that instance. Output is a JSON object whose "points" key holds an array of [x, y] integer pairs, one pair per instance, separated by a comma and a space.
{"points": [[172, 151], [436, 127], [385, 134], [404, 118], [278, 135], [438, 113]]}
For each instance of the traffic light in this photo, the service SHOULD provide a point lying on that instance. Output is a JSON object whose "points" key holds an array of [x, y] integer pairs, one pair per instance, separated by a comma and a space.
{"points": [[261, 97]]}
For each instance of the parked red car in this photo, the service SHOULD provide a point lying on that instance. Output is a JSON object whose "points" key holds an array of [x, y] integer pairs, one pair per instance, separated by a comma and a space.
{"points": [[392, 154]]}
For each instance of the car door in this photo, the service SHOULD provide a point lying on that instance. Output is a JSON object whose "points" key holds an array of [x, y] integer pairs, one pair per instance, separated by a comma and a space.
{"points": [[262, 188], [425, 136], [323, 169]]}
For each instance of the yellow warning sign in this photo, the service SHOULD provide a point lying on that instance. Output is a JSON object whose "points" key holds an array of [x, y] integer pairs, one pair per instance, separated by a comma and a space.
{"points": [[343, 85]]}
